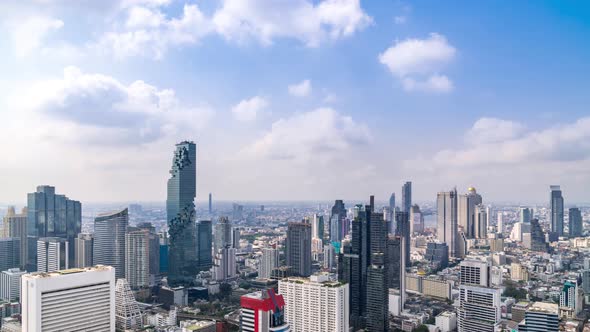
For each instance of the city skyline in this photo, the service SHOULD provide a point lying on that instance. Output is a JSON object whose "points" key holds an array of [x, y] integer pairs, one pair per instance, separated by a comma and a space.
{"points": [[91, 107]]}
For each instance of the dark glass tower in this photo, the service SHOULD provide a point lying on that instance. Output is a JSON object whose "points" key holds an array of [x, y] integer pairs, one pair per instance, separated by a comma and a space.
{"points": [[556, 211], [204, 243], [402, 220], [537, 237], [299, 248], [394, 252], [377, 285], [180, 209], [575, 222], [51, 215], [337, 225], [407, 197]]}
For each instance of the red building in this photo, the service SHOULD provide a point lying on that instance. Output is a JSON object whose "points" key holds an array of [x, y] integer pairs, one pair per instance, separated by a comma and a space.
{"points": [[263, 312]]}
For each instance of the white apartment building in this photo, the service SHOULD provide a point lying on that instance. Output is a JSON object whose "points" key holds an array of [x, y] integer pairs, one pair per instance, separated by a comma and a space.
{"points": [[69, 300], [315, 304], [10, 282]]}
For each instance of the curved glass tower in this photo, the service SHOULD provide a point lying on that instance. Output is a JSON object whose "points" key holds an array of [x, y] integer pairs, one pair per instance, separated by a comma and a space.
{"points": [[180, 210]]}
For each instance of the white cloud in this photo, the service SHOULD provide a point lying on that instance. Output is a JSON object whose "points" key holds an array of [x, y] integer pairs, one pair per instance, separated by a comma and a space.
{"points": [[434, 83], [303, 20], [318, 134], [302, 89], [400, 19], [247, 109], [494, 141], [416, 62], [95, 108], [148, 32], [28, 34]]}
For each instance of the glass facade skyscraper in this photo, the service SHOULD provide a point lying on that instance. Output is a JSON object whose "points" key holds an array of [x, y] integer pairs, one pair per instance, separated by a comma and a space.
{"points": [[556, 211], [51, 215], [109, 240], [180, 210]]}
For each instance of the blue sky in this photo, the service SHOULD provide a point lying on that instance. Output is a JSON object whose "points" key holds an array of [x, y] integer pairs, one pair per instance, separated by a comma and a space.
{"points": [[296, 99]]}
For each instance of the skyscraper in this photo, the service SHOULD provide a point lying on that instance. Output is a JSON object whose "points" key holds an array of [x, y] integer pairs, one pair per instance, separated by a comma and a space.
{"points": [[575, 222], [377, 313], [210, 203], [407, 197], [127, 314], [337, 217], [137, 257], [10, 253], [480, 223], [571, 299], [298, 251], [109, 240], [154, 248], [556, 211], [15, 226], [537, 237], [263, 311], [268, 261], [403, 229], [204, 245], [392, 202], [83, 299], [446, 203], [224, 266], [52, 254], [526, 215], [10, 284], [84, 248], [466, 211], [180, 210], [416, 220], [223, 234], [51, 215], [315, 304]]}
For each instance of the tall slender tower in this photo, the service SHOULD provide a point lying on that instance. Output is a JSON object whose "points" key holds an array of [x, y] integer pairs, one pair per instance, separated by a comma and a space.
{"points": [[180, 210], [407, 197], [109, 240], [403, 229], [210, 203], [575, 222], [556, 211], [447, 220], [467, 210], [377, 286], [299, 248]]}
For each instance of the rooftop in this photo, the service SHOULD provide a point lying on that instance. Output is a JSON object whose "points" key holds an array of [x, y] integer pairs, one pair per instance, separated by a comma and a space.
{"points": [[68, 271], [545, 307]]}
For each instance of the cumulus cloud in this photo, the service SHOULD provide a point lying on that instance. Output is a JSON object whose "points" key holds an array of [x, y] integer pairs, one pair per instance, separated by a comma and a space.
{"points": [[29, 33], [247, 109], [317, 134], [495, 141], [416, 62], [96, 108], [302, 89]]}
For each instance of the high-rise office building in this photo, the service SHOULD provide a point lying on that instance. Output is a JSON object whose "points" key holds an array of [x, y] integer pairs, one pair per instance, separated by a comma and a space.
{"points": [[127, 314], [210, 203], [84, 250], [263, 311], [236, 233], [392, 202], [446, 203], [480, 223], [437, 254], [109, 240], [52, 254], [224, 266], [540, 317], [403, 229], [317, 227], [537, 237], [479, 305], [315, 304], [298, 251], [10, 253], [15, 226], [377, 305], [416, 220], [268, 261], [154, 248], [223, 234], [467, 211], [180, 211], [204, 239], [499, 222], [526, 215], [137, 257], [80, 299], [575, 222], [10, 284], [407, 197], [338, 230], [571, 299], [395, 251], [51, 215], [556, 210]]}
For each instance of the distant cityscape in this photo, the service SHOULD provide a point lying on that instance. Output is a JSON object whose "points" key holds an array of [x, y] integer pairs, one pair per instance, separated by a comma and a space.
{"points": [[458, 264]]}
